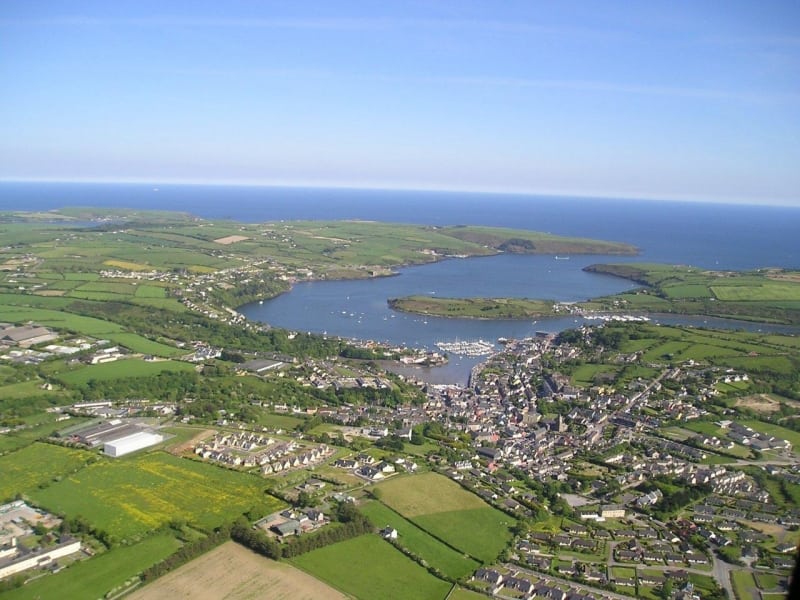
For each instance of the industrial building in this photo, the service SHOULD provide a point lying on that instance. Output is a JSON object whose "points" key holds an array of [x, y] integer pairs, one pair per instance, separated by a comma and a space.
{"points": [[131, 443]]}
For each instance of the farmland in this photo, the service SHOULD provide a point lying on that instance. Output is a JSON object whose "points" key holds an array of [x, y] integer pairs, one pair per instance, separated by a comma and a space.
{"points": [[425, 494], [410, 536], [369, 568], [232, 572], [28, 468], [767, 295], [129, 497], [449, 513], [131, 367]]}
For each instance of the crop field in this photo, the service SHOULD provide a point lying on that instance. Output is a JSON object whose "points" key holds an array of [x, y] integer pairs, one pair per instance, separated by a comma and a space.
{"points": [[150, 291], [370, 568], [481, 532], [94, 577], [278, 421], [128, 367], [232, 572], [130, 496], [127, 265], [410, 536], [448, 512], [25, 389], [768, 291], [425, 494], [37, 465], [112, 287], [142, 345], [58, 319], [690, 290], [585, 374]]}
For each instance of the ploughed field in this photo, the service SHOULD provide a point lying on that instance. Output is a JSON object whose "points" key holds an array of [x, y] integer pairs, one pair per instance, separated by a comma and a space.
{"points": [[232, 572]]}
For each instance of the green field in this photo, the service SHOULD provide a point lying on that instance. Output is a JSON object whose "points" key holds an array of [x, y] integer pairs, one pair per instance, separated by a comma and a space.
{"points": [[58, 319], [37, 465], [743, 584], [448, 512], [425, 494], [410, 536], [370, 568], [464, 594], [142, 345], [474, 308], [128, 367], [94, 577], [767, 291], [128, 497], [764, 295]]}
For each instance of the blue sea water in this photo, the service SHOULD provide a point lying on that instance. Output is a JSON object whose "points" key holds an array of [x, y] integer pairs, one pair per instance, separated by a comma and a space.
{"points": [[702, 234], [706, 235]]}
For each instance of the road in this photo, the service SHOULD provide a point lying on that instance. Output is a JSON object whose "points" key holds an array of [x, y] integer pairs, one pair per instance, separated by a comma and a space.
{"points": [[722, 573]]}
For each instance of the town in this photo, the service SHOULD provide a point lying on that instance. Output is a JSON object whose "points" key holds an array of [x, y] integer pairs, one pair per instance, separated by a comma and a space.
{"points": [[642, 479]]}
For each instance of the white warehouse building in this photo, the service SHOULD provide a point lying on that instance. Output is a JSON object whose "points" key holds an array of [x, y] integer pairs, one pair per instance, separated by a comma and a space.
{"points": [[132, 443]]}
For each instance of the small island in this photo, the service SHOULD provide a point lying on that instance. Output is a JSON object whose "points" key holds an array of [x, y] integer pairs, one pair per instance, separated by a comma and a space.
{"points": [[475, 308]]}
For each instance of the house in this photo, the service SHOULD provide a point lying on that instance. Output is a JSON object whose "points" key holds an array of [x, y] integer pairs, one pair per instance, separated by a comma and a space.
{"points": [[612, 511], [489, 576], [315, 516], [389, 533], [370, 473], [523, 586], [287, 528]]}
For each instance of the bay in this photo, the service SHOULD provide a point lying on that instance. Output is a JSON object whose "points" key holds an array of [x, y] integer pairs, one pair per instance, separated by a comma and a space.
{"points": [[707, 235]]}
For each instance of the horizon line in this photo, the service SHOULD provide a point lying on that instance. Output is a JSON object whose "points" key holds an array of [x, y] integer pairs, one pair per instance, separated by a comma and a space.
{"points": [[561, 193]]}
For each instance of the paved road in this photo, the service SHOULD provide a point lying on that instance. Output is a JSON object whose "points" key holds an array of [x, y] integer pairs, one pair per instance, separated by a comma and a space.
{"points": [[722, 573]]}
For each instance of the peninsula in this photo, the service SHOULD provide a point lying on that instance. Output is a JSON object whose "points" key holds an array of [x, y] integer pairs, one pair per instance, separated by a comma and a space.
{"points": [[764, 296]]}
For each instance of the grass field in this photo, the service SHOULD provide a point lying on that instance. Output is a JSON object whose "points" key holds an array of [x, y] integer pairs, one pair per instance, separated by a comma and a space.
{"points": [[370, 568], [58, 319], [410, 536], [129, 367], [762, 292], [463, 594], [448, 512], [744, 586], [37, 465], [130, 496], [232, 572], [140, 344], [94, 577], [425, 494]]}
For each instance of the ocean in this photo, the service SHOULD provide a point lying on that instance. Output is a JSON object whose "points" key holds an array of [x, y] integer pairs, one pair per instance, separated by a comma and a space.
{"points": [[713, 236], [706, 235]]}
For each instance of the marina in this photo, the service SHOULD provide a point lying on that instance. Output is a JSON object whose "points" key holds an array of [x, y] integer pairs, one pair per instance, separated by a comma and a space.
{"points": [[466, 348]]}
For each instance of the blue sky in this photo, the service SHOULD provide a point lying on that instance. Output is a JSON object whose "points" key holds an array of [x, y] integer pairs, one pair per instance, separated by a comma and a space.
{"points": [[694, 100]]}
